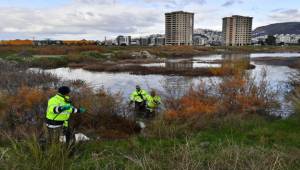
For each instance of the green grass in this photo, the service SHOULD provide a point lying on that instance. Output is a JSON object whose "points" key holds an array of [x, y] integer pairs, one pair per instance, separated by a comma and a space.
{"points": [[48, 56], [255, 143], [15, 58], [93, 54], [48, 62]]}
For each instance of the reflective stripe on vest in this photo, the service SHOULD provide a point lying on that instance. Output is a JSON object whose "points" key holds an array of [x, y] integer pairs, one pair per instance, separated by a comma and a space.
{"points": [[139, 96], [57, 101]]}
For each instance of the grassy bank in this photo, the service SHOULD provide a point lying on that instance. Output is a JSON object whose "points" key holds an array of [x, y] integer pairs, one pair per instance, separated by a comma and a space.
{"points": [[255, 143], [87, 55]]}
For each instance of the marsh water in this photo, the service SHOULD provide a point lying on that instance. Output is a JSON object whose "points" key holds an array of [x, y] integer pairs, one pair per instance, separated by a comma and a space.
{"points": [[277, 76]]}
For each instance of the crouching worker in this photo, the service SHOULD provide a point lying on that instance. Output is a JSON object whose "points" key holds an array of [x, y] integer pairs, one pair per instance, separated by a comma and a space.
{"points": [[139, 98], [153, 102], [58, 114]]}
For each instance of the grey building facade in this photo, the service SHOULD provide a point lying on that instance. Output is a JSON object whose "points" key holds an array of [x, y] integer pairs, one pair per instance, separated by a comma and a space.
{"points": [[237, 30], [179, 28]]}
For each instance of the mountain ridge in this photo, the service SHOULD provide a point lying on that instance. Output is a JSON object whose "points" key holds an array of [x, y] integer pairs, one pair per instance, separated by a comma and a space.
{"points": [[278, 28]]}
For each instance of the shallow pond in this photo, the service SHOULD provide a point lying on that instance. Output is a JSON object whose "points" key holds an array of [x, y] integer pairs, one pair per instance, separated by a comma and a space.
{"points": [[125, 82]]}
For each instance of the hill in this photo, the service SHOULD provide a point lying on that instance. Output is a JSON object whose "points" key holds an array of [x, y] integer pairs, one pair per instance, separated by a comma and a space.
{"points": [[278, 28]]}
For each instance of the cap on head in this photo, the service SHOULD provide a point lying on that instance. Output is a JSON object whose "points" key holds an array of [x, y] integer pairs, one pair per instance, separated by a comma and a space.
{"points": [[64, 90]]}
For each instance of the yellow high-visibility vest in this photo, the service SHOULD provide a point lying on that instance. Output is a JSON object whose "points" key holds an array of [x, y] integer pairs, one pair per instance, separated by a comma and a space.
{"points": [[56, 102], [139, 96], [153, 102]]}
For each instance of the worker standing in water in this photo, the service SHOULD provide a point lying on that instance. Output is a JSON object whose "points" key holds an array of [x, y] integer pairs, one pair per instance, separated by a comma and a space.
{"points": [[153, 102], [58, 114], [139, 98]]}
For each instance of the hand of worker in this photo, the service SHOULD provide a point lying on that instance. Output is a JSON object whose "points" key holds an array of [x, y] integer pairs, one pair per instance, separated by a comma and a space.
{"points": [[66, 107], [82, 110]]}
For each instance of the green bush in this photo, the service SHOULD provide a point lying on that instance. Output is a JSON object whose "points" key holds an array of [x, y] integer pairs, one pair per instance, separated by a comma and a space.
{"points": [[49, 62], [93, 54]]}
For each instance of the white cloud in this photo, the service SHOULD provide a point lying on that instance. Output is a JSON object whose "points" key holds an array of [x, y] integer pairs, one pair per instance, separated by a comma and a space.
{"points": [[231, 2], [285, 15], [95, 19], [82, 17]]}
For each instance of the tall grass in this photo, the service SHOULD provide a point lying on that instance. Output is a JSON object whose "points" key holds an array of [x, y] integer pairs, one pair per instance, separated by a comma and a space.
{"points": [[29, 154], [228, 147]]}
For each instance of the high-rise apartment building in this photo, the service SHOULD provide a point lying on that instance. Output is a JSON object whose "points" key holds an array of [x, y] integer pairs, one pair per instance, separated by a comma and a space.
{"points": [[179, 28], [237, 30]]}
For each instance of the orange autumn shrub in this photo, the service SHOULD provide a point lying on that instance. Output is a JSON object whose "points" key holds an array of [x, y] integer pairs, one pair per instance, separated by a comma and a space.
{"points": [[27, 98], [240, 93], [24, 111], [105, 112], [196, 103], [192, 109], [233, 94]]}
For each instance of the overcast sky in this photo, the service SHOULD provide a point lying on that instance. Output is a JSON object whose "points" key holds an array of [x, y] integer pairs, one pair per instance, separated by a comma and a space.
{"points": [[95, 19]]}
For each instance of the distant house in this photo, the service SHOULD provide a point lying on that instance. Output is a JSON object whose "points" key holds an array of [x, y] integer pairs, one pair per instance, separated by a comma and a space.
{"points": [[280, 39], [123, 40], [135, 41], [144, 41], [200, 40], [157, 40], [47, 42], [287, 38]]}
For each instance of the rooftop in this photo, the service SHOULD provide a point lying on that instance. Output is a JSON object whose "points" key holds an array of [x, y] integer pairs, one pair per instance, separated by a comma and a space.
{"points": [[179, 12], [238, 16]]}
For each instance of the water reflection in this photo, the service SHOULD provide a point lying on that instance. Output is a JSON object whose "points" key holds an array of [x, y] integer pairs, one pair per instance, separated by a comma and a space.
{"points": [[214, 61], [236, 57], [177, 85], [257, 55], [182, 65]]}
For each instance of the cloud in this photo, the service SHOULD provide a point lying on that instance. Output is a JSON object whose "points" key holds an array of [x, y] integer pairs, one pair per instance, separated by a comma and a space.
{"points": [[176, 3], [80, 19], [277, 10], [93, 1], [231, 2], [285, 15], [95, 19]]}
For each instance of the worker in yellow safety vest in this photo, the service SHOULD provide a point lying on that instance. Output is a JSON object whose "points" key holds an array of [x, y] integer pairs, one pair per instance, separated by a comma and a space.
{"points": [[58, 114], [139, 98], [153, 102]]}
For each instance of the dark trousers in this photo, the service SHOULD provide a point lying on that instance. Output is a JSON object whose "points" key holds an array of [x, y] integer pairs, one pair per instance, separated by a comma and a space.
{"points": [[140, 108], [55, 133]]}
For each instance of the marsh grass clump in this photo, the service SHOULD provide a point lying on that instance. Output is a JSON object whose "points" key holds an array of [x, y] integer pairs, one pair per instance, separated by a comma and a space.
{"points": [[30, 154]]}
